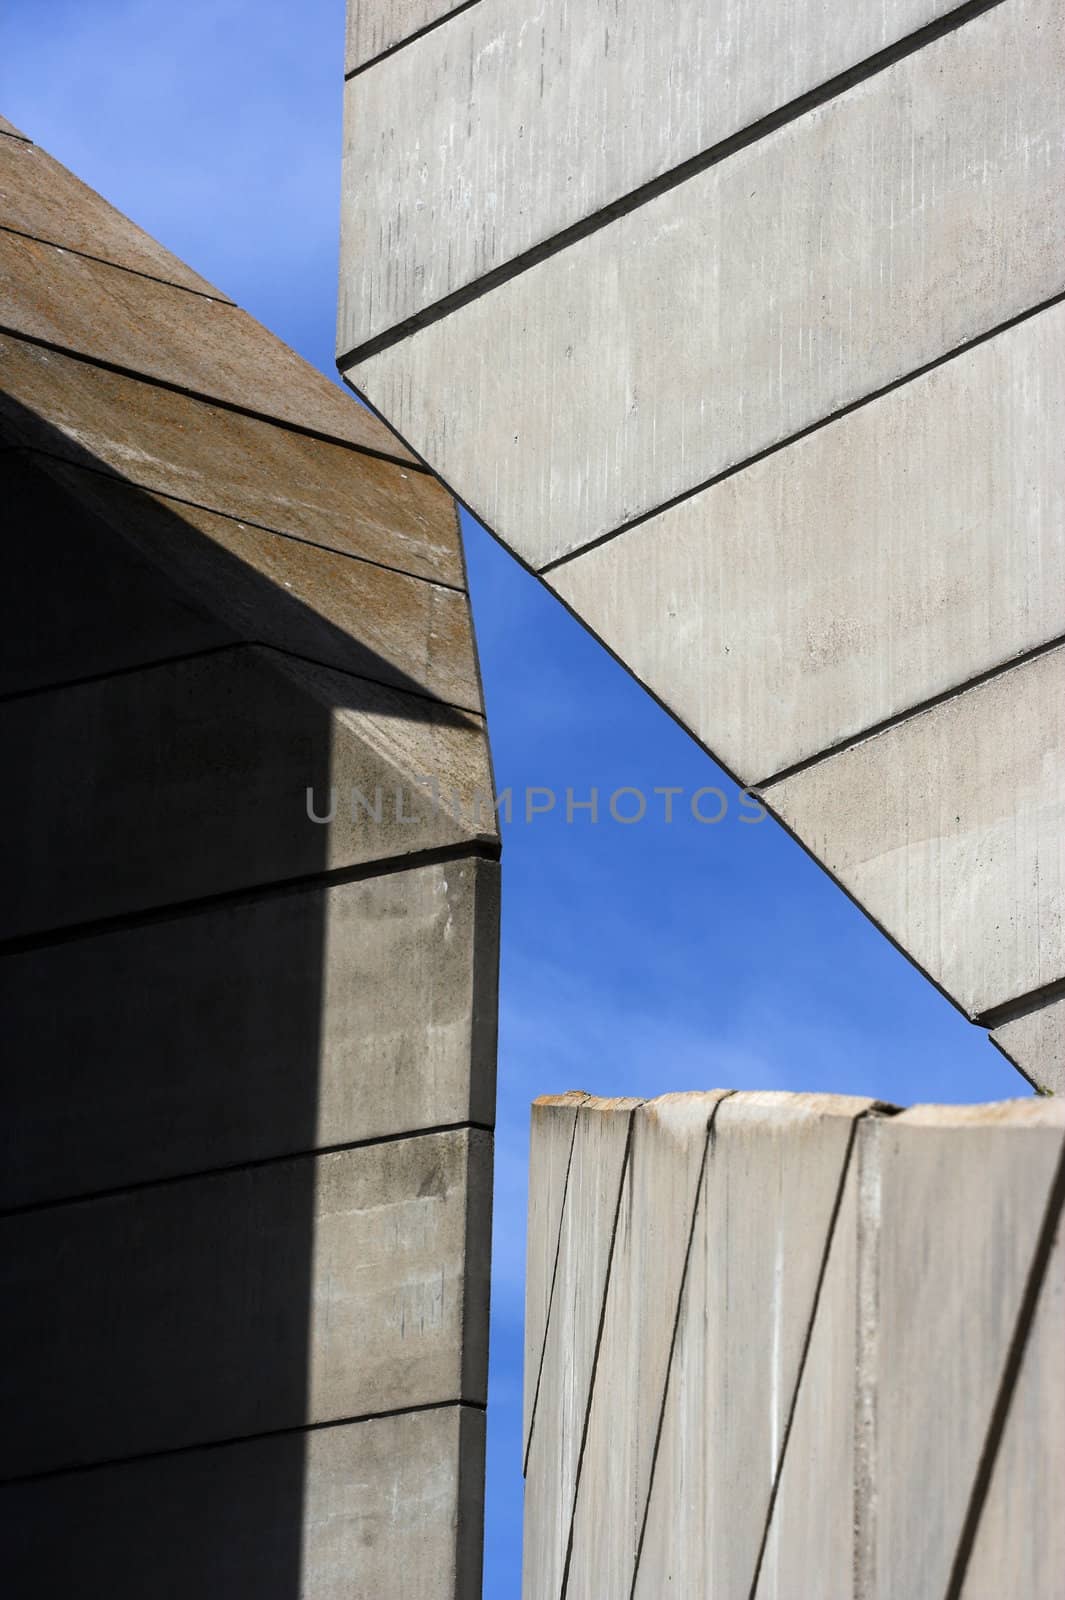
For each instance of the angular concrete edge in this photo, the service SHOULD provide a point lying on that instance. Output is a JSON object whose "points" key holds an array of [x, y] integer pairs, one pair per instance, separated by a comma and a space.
{"points": [[395, 1495], [1035, 1043], [376, 27]]}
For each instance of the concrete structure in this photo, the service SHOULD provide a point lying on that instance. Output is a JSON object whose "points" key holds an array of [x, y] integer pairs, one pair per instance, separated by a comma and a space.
{"points": [[249, 1085], [795, 1345], [742, 327]]}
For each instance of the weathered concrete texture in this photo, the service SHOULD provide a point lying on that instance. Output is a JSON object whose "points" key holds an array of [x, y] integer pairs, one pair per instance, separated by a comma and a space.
{"points": [[859, 571], [200, 770], [1020, 1543], [859, 1289], [1036, 1044], [265, 475], [949, 828], [159, 578], [40, 198], [810, 1540], [552, 1148], [597, 1169], [378, 25], [208, 347], [395, 1495], [641, 361], [774, 1170], [238, 1326], [532, 118], [335, 1015], [662, 1179], [956, 1199]]}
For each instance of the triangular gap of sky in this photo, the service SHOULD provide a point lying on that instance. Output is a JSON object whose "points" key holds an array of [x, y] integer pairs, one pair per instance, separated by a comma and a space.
{"points": [[636, 958]]}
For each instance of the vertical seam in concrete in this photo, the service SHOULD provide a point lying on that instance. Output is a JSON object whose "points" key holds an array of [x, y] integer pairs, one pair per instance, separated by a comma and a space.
{"points": [[699, 1191], [867, 1301], [822, 1272], [996, 1426], [551, 1290], [595, 1356]]}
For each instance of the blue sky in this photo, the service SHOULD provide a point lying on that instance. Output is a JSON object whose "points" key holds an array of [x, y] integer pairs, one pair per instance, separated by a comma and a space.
{"points": [[636, 959]]}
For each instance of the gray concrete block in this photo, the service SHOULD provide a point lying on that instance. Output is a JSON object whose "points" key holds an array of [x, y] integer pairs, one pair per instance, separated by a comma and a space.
{"points": [[530, 120], [554, 1125], [949, 829], [40, 198], [773, 1172], [592, 1197], [313, 1290], [240, 584], [198, 772], [797, 277], [884, 559], [325, 1515], [378, 25], [1020, 1541], [1036, 1044], [249, 1031], [954, 1198], [669, 1140], [207, 347], [267, 476], [810, 1538]]}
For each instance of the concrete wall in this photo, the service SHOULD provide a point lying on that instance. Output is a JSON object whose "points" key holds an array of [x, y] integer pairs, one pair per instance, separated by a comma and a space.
{"points": [[783, 1346], [741, 326], [250, 1058]]}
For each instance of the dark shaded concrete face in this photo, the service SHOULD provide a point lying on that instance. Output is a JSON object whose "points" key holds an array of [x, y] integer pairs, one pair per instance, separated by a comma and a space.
{"points": [[250, 1077]]}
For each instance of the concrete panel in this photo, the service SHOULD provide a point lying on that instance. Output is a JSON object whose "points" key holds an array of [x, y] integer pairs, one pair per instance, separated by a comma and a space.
{"points": [[41, 198], [1036, 1044], [532, 117], [267, 476], [669, 1141], [864, 569], [206, 347], [1020, 1542], [378, 25], [949, 829], [646, 359], [249, 585], [198, 774], [774, 1169], [249, 1031], [585, 1247], [554, 1126], [811, 1532], [955, 1197], [312, 1290], [325, 1515]]}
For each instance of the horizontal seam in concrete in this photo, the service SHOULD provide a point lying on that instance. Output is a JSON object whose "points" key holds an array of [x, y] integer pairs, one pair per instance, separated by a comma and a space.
{"points": [[833, 87], [119, 266], [794, 438], [155, 382], [474, 849], [1011, 1370], [160, 662], [918, 709], [822, 1273], [1023, 1006], [411, 38], [237, 1439], [170, 1179], [660, 1423], [551, 1293], [595, 1353], [113, 476]]}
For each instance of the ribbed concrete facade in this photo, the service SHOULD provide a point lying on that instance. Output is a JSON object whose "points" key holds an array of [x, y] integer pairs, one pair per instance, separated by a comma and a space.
{"points": [[741, 327], [250, 1052], [785, 1346]]}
